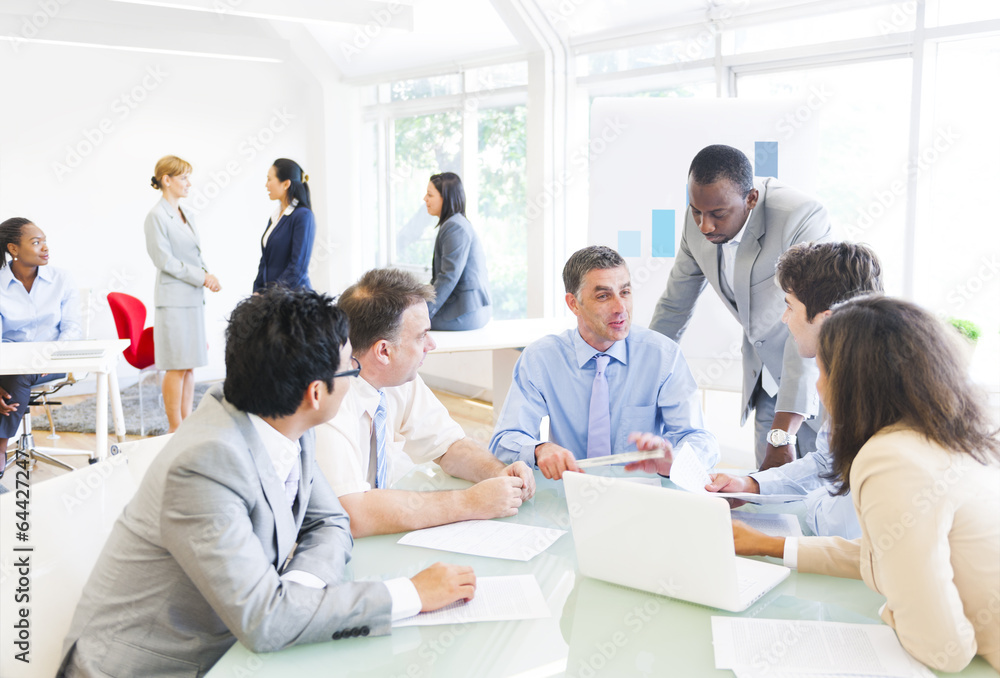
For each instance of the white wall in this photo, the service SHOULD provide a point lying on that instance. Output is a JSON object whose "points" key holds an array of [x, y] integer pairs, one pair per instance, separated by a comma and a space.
{"points": [[230, 119]]}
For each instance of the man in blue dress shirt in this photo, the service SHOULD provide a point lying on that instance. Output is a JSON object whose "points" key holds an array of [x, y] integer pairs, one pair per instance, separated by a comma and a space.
{"points": [[814, 278], [599, 382]]}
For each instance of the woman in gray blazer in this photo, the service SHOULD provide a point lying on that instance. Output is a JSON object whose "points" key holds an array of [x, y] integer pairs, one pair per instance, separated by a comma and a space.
{"points": [[459, 277], [179, 297]]}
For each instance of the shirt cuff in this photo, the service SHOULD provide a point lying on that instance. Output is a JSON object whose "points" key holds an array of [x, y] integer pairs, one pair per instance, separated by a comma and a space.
{"points": [[791, 554], [304, 578], [405, 599]]}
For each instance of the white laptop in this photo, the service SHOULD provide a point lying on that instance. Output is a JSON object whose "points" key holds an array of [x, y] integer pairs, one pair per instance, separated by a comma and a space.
{"points": [[668, 542]]}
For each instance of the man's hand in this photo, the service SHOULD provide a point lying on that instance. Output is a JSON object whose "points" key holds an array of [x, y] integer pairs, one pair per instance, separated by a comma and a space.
{"points": [[723, 482], [777, 456], [751, 542], [553, 461], [520, 470], [494, 498], [644, 442], [442, 584], [5, 407]]}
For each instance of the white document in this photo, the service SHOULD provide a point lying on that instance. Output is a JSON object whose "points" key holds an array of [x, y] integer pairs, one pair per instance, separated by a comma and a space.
{"points": [[687, 471], [752, 498], [774, 524], [772, 647], [620, 458], [488, 538], [496, 599]]}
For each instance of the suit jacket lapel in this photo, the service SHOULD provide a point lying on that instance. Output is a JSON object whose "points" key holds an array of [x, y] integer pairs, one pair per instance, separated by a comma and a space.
{"points": [[746, 255], [274, 490]]}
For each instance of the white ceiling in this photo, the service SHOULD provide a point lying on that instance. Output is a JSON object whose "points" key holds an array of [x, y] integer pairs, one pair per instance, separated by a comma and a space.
{"points": [[363, 40]]}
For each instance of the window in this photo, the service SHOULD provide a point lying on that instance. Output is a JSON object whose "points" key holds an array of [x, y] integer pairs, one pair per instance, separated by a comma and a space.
{"points": [[957, 241], [423, 145], [473, 124], [501, 223], [862, 112]]}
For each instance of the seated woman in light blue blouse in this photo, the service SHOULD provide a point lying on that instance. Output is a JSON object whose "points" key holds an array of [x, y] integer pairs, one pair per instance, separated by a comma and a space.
{"points": [[38, 302], [461, 286]]}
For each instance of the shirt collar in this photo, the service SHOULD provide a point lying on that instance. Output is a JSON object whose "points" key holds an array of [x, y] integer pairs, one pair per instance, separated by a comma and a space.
{"points": [[736, 239], [288, 210], [7, 275], [584, 351], [368, 395], [284, 453]]}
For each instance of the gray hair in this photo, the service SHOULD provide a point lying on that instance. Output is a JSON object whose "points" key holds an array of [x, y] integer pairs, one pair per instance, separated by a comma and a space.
{"points": [[586, 260]]}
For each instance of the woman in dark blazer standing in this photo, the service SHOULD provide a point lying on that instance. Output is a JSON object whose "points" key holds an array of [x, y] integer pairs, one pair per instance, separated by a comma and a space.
{"points": [[459, 276], [287, 242]]}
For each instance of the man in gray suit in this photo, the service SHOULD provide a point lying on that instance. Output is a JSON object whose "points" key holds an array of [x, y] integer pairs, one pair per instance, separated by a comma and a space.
{"points": [[203, 554], [735, 230]]}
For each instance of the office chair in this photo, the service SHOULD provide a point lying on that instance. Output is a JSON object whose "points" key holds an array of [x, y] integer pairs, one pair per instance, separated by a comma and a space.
{"points": [[130, 317]]}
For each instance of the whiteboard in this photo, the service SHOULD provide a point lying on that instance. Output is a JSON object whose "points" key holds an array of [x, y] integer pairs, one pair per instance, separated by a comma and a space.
{"points": [[640, 152]]}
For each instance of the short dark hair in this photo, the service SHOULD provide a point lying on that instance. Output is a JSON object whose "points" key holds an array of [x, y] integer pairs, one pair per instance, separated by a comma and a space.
{"points": [[722, 162], [375, 304], [823, 274], [10, 234], [449, 185], [586, 260], [277, 343]]}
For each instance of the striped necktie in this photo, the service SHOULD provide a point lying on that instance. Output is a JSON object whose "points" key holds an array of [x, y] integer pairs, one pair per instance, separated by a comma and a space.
{"points": [[381, 464]]}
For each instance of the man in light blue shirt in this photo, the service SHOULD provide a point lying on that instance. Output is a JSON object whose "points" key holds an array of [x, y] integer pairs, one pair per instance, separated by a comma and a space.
{"points": [[649, 387], [814, 277]]}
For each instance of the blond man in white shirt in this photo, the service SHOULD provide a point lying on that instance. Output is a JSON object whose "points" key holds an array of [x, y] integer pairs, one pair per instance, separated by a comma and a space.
{"points": [[363, 451]]}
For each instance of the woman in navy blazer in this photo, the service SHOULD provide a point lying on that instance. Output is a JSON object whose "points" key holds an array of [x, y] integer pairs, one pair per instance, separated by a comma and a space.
{"points": [[287, 242], [461, 285]]}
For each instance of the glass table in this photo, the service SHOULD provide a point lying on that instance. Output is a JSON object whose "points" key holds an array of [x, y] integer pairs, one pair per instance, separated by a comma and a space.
{"points": [[596, 628]]}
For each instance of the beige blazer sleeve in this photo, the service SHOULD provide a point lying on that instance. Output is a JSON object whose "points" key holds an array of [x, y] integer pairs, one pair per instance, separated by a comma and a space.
{"points": [[905, 553]]}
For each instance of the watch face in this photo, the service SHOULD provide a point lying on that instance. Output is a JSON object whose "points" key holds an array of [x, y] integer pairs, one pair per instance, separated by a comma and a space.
{"points": [[777, 437]]}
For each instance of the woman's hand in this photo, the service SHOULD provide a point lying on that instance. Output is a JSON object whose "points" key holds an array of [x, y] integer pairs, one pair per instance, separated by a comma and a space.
{"points": [[5, 407], [212, 283]]}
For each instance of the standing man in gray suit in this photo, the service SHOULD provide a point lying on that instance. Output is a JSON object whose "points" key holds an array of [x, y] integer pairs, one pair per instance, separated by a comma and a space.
{"points": [[735, 229], [200, 557]]}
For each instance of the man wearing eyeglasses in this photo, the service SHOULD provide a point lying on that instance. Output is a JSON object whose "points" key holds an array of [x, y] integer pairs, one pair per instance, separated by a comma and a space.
{"points": [[391, 420], [198, 558]]}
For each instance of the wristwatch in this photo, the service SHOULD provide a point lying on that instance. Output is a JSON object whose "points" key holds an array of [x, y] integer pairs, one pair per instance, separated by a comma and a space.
{"points": [[780, 438]]}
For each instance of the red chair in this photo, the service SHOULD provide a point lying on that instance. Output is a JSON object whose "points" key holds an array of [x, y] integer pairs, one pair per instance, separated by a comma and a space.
{"points": [[130, 317]]}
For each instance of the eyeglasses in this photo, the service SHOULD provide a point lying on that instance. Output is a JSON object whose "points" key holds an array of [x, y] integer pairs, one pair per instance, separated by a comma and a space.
{"points": [[350, 373]]}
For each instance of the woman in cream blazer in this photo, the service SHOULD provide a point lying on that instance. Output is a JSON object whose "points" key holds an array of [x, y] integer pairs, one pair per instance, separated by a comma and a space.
{"points": [[913, 443], [172, 242]]}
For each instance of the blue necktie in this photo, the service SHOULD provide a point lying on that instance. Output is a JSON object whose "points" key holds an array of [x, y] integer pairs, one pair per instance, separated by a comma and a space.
{"points": [[381, 465], [599, 429]]}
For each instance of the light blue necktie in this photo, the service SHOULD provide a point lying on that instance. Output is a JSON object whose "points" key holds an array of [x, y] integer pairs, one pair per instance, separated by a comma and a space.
{"points": [[381, 465], [599, 430]]}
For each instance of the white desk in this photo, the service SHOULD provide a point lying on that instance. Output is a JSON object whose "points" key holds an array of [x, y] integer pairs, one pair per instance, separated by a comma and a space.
{"points": [[504, 338], [597, 630], [31, 357]]}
